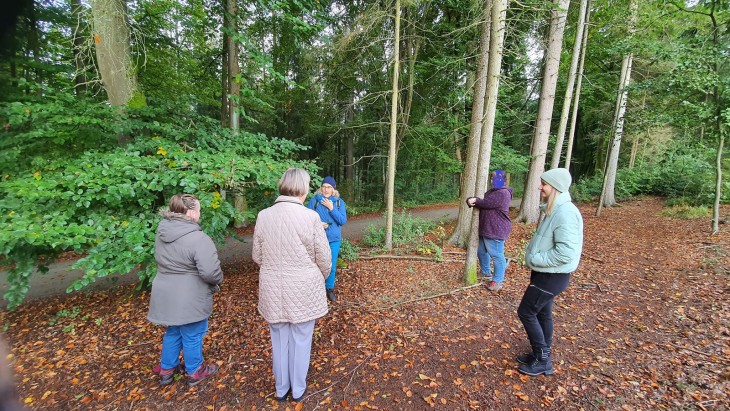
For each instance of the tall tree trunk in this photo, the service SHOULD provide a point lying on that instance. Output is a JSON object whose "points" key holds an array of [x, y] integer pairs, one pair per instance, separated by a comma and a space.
{"points": [[34, 45], [393, 132], [577, 47], [469, 176], [608, 194], [78, 48], [225, 88], [499, 15], [111, 39], [529, 209], [578, 87], [234, 86], [234, 92], [349, 192]]}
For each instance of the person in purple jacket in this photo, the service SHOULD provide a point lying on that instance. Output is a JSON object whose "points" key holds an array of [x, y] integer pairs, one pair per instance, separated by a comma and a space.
{"points": [[494, 228]]}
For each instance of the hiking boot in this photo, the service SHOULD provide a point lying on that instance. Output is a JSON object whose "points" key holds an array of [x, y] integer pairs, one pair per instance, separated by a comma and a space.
{"points": [[203, 372], [541, 363], [494, 286], [167, 376], [331, 295], [525, 358]]}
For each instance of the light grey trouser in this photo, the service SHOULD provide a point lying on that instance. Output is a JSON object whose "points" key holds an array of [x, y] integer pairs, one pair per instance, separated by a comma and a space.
{"points": [[291, 349]]}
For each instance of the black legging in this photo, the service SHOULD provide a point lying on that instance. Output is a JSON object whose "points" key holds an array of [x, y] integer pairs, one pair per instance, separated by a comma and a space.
{"points": [[536, 308]]}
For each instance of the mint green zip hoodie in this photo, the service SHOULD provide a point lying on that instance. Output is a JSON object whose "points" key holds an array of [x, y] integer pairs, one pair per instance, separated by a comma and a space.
{"points": [[558, 242]]}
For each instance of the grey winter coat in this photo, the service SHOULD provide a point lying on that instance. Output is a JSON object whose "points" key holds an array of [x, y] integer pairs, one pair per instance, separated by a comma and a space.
{"points": [[290, 246], [188, 272]]}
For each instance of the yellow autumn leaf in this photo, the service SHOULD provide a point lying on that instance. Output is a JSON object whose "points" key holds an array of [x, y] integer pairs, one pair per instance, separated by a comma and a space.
{"points": [[28, 400], [162, 151]]}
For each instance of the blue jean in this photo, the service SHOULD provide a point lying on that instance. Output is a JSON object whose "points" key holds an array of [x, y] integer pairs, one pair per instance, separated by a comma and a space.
{"points": [[335, 248], [189, 338], [536, 308], [492, 249]]}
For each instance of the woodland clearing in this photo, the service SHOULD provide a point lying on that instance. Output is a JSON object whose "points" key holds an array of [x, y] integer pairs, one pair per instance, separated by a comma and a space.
{"points": [[645, 325]]}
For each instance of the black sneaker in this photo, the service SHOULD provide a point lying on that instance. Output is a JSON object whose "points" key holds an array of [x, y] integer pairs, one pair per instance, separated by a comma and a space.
{"points": [[331, 295]]}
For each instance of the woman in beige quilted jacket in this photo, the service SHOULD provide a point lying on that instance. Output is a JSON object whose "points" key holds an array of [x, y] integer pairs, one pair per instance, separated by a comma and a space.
{"points": [[291, 249]]}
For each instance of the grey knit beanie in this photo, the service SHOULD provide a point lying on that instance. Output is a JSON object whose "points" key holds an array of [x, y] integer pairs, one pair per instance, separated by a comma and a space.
{"points": [[559, 178]]}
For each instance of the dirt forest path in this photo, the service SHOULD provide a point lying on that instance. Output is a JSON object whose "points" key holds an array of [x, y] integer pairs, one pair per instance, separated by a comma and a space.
{"points": [[645, 325], [60, 275]]}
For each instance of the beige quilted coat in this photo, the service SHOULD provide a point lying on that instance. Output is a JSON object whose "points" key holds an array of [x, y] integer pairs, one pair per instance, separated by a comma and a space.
{"points": [[291, 249]]}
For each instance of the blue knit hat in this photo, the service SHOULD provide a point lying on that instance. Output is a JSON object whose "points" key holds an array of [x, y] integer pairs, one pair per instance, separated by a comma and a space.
{"points": [[329, 180], [499, 179], [559, 178]]}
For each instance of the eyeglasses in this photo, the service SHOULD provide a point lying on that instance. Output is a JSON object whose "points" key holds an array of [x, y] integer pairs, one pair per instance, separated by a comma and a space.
{"points": [[326, 186]]}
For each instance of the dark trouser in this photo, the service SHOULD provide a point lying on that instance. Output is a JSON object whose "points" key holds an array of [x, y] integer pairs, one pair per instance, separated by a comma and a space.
{"points": [[536, 308]]}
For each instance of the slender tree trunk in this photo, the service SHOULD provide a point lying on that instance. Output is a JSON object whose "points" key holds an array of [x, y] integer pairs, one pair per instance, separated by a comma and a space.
{"points": [[499, 14], [393, 132], [233, 69], [577, 48], [78, 47], [578, 87], [529, 209], [349, 192], [34, 45], [608, 195], [469, 176], [225, 88]]}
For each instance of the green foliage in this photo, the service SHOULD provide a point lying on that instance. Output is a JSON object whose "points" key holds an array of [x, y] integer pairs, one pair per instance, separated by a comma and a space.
{"points": [[348, 251], [406, 229], [686, 211], [683, 172], [104, 201]]}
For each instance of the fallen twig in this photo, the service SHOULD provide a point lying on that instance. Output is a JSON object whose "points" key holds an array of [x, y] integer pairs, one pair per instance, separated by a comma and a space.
{"points": [[407, 257], [342, 378], [594, 285], [594, 258], [712, 357], [428, 297]]}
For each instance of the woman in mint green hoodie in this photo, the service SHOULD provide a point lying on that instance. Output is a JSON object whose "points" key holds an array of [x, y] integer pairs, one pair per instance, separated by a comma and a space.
{"points": [[552, 255]]}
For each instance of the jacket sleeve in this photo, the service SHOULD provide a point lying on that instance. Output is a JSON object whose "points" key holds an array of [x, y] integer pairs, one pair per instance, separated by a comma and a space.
{"points": [[322, 252], [256, 252], [498, 199], [566, 245], [312, 201], [207, 262], [339, 214]]}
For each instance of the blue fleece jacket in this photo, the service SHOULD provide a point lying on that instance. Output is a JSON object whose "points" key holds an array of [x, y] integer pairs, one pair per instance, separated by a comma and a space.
{"points": [[335, 218]]}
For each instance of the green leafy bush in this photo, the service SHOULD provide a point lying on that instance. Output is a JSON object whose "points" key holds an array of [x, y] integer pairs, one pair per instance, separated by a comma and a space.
{"points": [[348, 251], [406, 229], [103, 202]]}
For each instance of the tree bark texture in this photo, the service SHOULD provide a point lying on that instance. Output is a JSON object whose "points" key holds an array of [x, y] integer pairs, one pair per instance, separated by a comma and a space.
{"points": [[578, 87], [234, 86], [529, 209], [499, 15], [111, 39], [78, 48], [469, 176], [577, 48], [608, 192], [393, 132]]}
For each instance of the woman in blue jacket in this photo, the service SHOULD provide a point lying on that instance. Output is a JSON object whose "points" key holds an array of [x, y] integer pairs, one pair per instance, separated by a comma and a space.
{"points": [[552, 255], [332, 211]]}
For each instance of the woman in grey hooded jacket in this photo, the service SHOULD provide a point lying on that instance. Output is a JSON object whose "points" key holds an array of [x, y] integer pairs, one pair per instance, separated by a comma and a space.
{"points": [[188, 273], [552, 255]]}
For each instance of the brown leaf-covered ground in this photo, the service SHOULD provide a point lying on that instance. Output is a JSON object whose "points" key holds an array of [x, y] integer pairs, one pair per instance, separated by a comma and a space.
{"points": [[643, 326]]}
